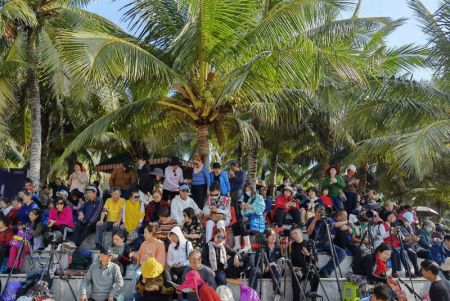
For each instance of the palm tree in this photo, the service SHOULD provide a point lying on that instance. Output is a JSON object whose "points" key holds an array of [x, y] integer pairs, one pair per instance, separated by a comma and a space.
{"points": [[218, 60]]}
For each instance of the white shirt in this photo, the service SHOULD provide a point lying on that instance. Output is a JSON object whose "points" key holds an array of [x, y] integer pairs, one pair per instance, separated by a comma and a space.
{"points": [[177, 207], [172, 179]]}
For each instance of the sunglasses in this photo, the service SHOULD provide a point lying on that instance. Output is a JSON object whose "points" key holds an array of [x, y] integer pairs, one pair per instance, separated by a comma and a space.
{"points": [[136, 197], [220, 237], [60, 203]]}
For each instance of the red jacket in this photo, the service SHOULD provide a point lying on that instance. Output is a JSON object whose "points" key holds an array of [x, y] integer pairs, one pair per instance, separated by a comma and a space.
{"points": [[6, 236], [392, 240], [327, 201], [281, 202], [65, 217]]}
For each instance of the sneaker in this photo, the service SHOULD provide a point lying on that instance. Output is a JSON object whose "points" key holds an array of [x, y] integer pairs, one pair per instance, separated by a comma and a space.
{"points": [[68, 246]]}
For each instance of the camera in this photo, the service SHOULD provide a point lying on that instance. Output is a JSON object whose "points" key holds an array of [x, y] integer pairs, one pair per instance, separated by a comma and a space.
{"points": [[326, 211], [55, 237], [370, 214]]}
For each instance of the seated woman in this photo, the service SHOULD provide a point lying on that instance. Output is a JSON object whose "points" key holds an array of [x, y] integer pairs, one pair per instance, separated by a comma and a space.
{"points": [[152, 285], [307, 207], [284, 204], [215, 256], [273, 253], [192, 228], [119, 251], [151, 247], [178, 253], [60, 217], [374, 266], [252, 207], [133, 213], [156, 204], [217, 211]]}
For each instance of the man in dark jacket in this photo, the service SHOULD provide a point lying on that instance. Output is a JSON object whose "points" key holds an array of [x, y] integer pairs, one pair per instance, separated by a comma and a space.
{"points": [[440, 251], [302, 260]]}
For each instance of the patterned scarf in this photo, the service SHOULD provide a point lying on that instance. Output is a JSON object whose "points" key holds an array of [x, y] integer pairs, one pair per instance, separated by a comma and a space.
{"points": [[212, 255], [220, 203]]}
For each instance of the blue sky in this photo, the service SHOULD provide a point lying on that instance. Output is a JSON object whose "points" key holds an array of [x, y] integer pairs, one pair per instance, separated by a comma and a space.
{"points": [[408, 33]]}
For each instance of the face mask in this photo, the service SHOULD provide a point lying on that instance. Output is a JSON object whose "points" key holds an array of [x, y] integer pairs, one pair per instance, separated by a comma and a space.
{"points": [[215, 197], [429, 229], [248, 193]]}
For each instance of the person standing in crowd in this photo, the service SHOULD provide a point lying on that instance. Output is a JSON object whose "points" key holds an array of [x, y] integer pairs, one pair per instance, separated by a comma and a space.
{"points": [[200, 181], [177, 254], [192, 228], [104, 278], [57, 185], [6, 235], [441, 250], [152, 208], [88, 216], [426, 241], [215, 255], [217, 211], [301, 258], [181, 202], [439, 289], [151, 247], [195, 263], [316, 230], [133, 213], [334, 182], [284, 204], [220, 178], [410, 240], [273, 253], [122, 177], [60, 217], [173, 177], [237, 182], [78, 179], [158, 173], [113, 211], [146, 181], [374, 266], [351, 188], [252, 206], [28, 205]]}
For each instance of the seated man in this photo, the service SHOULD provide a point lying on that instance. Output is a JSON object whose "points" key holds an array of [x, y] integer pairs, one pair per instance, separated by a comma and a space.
{"points": [[426, 241], [104, 278], [440, 251], [316, 230], [181, 202], [113, 211], [195, 263], [343, 230]]}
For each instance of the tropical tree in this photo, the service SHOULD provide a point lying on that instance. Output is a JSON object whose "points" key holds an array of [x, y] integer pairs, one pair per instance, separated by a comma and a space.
{"points": [[219, 60]]}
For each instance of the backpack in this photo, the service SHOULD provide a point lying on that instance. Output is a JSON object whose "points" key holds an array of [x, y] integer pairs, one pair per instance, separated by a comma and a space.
{"points": [[80, 260], [225, 293]]}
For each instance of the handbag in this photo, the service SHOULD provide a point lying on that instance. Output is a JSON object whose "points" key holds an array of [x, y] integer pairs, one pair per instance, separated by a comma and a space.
{"points": [[257, 223], [217, 217]]}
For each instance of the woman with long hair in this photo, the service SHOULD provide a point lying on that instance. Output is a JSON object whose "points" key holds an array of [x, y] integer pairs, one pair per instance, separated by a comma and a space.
{"points": [[200, 181], [192, 228]]}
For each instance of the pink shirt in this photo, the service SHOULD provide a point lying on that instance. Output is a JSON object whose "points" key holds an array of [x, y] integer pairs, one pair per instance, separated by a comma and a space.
{"points": [[65, 217], [151, 249]]}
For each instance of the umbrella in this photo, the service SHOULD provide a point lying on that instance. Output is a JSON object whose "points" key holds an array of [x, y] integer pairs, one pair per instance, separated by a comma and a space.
{"points": [[425, 211]]}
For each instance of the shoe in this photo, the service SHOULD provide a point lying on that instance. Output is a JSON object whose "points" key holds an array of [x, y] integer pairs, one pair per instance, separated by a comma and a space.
{"points": [[324, 275], [69, 246], [394, 275], [313, 296]]}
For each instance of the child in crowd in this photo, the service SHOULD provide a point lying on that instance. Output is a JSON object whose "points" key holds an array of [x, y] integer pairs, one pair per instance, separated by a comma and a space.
{"points": [[152, 286], [166, 224], [192, 228], [327, 201], [177, 255], [5, 206]]}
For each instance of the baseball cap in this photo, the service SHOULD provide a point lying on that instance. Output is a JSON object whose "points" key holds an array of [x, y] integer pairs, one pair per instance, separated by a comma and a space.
{"points": [[184, 187], [91, 188]]}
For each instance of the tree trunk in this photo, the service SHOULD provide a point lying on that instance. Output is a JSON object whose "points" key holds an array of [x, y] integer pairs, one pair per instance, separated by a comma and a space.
{"points": [[239, 154], [203, 142], [45, 126], [35, 104], [274, 167], [252, 163], [363, 177]]}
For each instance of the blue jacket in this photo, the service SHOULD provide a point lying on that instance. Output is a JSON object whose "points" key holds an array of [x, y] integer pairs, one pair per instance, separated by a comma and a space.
{"points": [[24, 211], [438, 253], [92, 210], [201, 178], [224, 182], [238, 182]]}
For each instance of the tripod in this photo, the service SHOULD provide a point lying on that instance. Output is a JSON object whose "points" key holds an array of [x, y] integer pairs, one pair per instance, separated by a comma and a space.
{"points": [[369, 236], [50, 268], [404, 254], [311, 267], [24, 243], [325, 223]]}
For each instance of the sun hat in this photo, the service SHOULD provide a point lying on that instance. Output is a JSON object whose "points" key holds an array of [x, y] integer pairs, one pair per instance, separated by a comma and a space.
{"points": [[151, 268], [192, 281], [287, 187], [408, 216], [157, 172], [446, 265]]}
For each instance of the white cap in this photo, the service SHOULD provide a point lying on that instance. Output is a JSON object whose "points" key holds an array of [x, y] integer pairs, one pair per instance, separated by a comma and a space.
{"points": [[352, 167]]}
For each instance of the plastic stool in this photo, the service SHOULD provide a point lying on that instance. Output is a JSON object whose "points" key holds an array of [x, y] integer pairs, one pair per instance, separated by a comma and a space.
{"points": [[350, 291]]}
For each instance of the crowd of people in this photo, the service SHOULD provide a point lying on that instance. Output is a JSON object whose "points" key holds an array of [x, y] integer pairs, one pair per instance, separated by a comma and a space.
{"points": [[166, 225]]}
